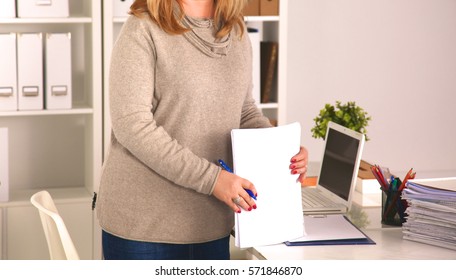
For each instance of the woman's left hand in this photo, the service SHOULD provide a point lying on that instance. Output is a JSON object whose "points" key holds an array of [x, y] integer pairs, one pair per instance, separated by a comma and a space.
{"points": [[299, 163]]}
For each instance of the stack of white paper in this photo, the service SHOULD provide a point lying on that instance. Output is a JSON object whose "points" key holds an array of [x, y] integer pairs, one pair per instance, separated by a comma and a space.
{"points": [[263, 156], [432, 212]]}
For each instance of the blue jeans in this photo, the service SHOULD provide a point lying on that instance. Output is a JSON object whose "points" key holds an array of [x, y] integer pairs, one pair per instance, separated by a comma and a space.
{"points": [[116, 248]]}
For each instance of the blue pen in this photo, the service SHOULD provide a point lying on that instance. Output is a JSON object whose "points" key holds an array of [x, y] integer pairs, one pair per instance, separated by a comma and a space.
{"points": [[227, 168]]}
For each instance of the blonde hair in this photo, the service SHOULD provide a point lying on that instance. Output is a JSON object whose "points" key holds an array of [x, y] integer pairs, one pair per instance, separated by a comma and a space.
{"points": [[227, 15]]}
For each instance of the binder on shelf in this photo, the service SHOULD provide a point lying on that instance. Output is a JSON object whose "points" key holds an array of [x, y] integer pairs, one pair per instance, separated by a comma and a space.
{"points": [[30, 71], [121, 7], [42, 8], [8, 73], [255, 39], [7, 9], [269, 55], [4, 162], [58, 93]]}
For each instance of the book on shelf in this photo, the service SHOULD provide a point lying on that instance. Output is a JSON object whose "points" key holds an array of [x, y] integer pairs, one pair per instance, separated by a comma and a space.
{"points": [[269, 56]]}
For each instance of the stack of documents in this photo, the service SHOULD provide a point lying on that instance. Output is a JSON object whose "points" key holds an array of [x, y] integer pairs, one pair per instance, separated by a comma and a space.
{"points": [[431, 212]]}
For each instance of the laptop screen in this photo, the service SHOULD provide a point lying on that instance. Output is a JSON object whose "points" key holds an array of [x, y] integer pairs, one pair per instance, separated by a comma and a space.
{"points": [[338, 164]]}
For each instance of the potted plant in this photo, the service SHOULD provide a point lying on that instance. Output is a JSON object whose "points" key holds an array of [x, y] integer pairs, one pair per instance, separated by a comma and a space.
{"points": [[349, 115]]}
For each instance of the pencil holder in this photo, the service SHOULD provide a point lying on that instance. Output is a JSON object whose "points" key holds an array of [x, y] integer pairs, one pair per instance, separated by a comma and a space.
{"points": [[393, 208]]}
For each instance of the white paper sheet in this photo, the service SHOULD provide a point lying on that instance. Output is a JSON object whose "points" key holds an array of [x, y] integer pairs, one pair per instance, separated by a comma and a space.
{"points": [[435, 185], [330, 227], [263, 156]]}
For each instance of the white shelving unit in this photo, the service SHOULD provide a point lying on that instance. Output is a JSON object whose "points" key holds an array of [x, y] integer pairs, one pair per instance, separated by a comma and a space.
{"points": [[282, 89], [57, 150], [268, 26]]}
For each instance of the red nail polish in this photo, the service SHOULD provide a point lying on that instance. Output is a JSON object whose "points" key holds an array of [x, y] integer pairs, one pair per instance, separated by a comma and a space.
{"points": [[293, 160], [294, 172], [238, 211], [254, 206], [250, 209], [292, 166]]}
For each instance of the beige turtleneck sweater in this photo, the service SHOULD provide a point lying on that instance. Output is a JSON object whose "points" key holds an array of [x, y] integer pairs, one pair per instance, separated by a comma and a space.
{"points": [[174, 100]]}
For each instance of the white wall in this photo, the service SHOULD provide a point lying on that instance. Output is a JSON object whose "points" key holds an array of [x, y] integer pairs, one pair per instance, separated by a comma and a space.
{"points": [[395, 58]]}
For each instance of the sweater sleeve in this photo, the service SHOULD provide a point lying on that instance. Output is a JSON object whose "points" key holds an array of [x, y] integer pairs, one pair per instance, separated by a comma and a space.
{"points": [[252, 117], [133, 124]]}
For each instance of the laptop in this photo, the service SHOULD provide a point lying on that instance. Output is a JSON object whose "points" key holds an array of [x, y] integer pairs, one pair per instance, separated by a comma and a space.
{"points": [[338, 172]]}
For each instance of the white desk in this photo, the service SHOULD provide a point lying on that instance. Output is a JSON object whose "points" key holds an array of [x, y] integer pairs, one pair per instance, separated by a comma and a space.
{"points": [[389, 244]]}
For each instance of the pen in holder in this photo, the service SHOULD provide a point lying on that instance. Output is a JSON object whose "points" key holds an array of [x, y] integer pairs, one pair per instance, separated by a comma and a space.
{"points": [[393, 206]]}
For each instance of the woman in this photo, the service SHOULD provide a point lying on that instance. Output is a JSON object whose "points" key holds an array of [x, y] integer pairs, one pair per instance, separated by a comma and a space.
{"points": [[180, 81]]}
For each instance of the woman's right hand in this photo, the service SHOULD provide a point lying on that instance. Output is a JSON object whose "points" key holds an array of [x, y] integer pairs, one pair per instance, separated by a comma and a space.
{"points": [[229, 188]]}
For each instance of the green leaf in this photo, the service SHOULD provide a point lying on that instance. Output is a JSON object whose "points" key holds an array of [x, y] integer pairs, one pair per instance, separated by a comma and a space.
{"points": [[349, 115]]}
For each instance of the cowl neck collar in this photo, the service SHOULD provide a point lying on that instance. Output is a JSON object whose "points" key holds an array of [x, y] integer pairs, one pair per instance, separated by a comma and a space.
{"points": [[202, 36]]}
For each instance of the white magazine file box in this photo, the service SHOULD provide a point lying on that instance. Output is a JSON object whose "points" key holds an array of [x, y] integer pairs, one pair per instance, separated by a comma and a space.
{"points": [[30, 71], [42, 8], [256, 78], [121, 7], [4, 162], [7, 9], [58, 93], [8, 74]]}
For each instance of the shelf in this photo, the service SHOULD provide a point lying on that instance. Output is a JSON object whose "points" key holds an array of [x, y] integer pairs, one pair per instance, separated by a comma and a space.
{"points": [[268, 106], [76, 111], [119, 19], [60, 195], [69, 20], [247, 18], [262, 18]]}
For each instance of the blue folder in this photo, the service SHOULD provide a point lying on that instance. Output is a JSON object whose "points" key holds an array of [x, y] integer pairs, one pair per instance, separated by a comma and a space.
{"points": [[358, 241], [350, 241]]}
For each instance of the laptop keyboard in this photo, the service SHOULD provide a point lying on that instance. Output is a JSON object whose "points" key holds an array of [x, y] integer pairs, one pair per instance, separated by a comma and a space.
{"points": [[312, 198]]}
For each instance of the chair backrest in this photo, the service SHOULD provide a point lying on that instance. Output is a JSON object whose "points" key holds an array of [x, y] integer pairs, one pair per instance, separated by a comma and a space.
{"points": [[59, 241]]}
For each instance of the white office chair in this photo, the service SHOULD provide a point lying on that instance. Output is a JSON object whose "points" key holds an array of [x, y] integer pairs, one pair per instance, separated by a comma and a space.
{"points": [[59, 241]]}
